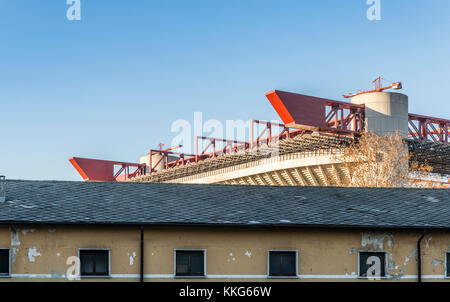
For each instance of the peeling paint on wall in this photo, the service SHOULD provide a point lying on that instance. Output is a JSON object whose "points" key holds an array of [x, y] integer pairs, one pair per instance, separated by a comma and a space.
{"points": [[25, 231], [232, 258], [376, 240], [353, 251], [13, 256], [247, 253], [427, 242], [398, 272], [14, 237], [14, 242], [437, 262], [57, 272], [32, 252], [406, 260], [132, 256]]}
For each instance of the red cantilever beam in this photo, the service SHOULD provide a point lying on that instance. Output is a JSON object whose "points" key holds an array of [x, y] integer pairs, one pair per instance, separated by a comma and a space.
{"points": [[309, 113], [99, 170], [298, 110]]}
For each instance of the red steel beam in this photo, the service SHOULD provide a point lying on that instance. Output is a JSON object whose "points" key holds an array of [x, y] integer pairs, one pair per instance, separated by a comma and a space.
{"points": [[212, 142], [428, 128], [309, 113], [103, 170]]}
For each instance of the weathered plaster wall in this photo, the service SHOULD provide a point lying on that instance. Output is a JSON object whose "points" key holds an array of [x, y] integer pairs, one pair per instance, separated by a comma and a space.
{"points": [[40, 253], [322, 253]]}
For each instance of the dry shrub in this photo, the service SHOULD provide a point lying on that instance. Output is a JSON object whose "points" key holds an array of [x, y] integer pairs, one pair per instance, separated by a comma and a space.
{"points": [[421, 177], [382, 161]]}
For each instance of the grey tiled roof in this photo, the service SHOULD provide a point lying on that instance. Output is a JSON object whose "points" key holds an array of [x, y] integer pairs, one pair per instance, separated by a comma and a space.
{"points": [[57, 202]]}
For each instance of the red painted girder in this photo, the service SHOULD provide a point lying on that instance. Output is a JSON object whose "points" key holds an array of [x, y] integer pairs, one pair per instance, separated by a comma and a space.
{"points": [[304, 111], [436, 120], [99, 170]]}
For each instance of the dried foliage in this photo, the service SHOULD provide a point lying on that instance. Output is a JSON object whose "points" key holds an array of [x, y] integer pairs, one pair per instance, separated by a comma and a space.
{"points": [[383, 161]]}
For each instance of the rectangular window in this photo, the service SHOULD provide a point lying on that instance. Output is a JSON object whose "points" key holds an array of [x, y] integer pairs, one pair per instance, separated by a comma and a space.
{"points": [[4, 262], [283, 263], [447, 262], [190, 263], [372, 264], [94, 263]]}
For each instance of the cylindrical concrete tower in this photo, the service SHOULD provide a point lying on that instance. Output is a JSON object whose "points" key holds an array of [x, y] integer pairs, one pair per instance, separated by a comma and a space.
{"points": [[155, 158], [386, 112]]}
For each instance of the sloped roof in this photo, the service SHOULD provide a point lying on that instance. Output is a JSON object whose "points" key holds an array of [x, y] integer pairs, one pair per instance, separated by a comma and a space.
{"points": [[58, 202]]}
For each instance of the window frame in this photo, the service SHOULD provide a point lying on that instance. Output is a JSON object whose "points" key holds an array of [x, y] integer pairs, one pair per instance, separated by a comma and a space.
{"points": [[282, 277], [8, 275], [386, 272], [447, 262], [189, 277], [109, 263]]}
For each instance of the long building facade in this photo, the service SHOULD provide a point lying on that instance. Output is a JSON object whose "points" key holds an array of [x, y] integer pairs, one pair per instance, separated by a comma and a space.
{"points": [[45, 253], [61, 231]]}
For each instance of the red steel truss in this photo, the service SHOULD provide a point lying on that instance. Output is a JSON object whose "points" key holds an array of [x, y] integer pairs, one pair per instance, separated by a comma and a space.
{"points": [[228, 146], [429, 128], [103, 170]]}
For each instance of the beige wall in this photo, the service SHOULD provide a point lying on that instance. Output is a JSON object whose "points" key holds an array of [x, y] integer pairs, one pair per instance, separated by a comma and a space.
{"points": [[40, 253]]}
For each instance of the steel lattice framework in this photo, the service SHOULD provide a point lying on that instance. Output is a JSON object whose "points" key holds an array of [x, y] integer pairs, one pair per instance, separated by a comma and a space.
{"points": [[429, 128], [435, 154]]}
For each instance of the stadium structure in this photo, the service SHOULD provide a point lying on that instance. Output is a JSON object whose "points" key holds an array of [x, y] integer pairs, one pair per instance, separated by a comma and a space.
{"points": [[301, 153]]}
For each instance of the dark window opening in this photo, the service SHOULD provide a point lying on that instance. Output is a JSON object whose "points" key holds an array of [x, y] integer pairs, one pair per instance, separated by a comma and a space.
{"points": [[447, 261], [94, 262], [372, 264], [190, 263], [282, 264], [4, 262]]}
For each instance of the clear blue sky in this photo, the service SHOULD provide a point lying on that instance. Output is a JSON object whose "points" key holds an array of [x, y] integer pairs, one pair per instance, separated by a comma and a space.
{"points": [[110, 86]]}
